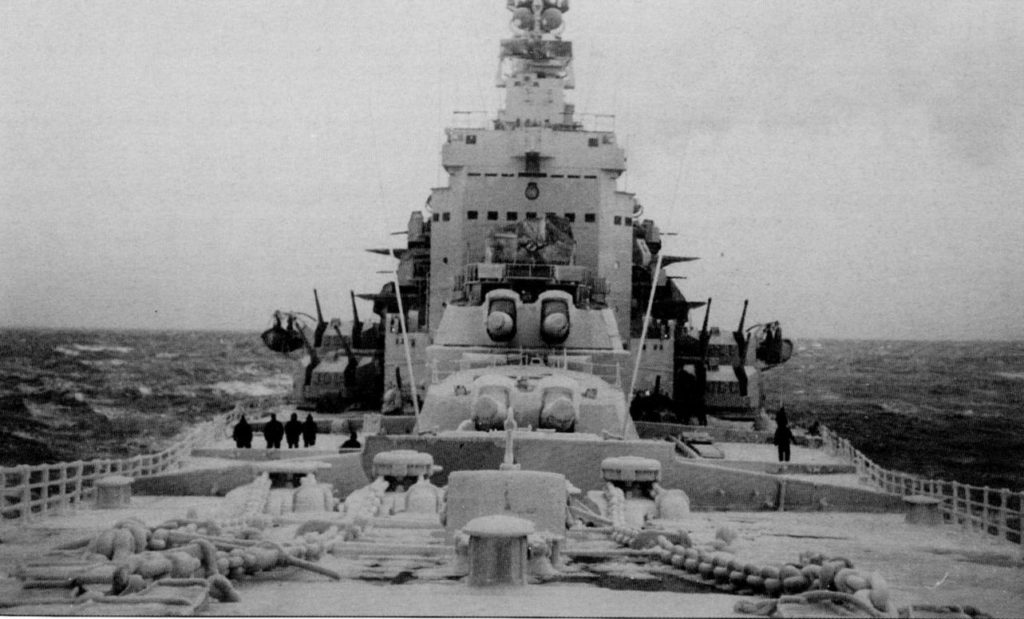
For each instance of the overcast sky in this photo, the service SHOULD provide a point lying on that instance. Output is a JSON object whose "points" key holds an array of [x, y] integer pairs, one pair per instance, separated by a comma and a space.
{"points": [[855, 169]]}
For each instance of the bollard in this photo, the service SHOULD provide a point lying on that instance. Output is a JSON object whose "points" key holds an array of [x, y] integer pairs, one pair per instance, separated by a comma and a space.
{"points": [[497, 550], [923, 510], [113, 491]]}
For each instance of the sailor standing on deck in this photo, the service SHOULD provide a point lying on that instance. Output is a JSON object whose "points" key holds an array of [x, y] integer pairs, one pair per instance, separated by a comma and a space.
{"points": [[242, 434], [783, 435], [309, 431], [273, 432], [292, 431]]}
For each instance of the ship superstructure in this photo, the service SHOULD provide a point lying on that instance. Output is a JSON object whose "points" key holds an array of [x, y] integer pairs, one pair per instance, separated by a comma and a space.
{"points": [[533, 205]]}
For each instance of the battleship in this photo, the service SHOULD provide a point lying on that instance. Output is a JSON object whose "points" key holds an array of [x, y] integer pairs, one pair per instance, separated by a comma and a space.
{"points": [[547, 466]]}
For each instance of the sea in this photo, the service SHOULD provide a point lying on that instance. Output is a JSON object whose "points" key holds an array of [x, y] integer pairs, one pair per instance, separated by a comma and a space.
{"points": [[944, 410]]}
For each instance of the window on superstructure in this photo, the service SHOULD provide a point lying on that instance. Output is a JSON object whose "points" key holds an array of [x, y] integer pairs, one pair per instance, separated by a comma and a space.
{"points": [[589, 218], [531, 215], [628, 221], [446, 216], [471, 214], [571, 217], [470, 139], [492, 215], [593, 142], [617, 220], [437, 216], [511, 216]]}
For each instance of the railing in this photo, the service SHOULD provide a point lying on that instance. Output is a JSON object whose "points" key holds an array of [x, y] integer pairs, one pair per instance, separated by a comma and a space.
{"points": [[996, 511], [28, 491], [604, 123], [471, 119]]}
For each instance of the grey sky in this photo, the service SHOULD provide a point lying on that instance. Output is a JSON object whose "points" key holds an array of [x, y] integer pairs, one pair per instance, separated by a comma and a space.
{"points": [[854, 168]]}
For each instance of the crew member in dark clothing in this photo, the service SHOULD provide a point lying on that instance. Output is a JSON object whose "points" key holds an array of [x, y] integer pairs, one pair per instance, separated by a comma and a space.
{"points": [[242, 434], [815, 429], [781, 418], [309, 431], [292, 431], [352, 442], [273, 432], [783, 435]]}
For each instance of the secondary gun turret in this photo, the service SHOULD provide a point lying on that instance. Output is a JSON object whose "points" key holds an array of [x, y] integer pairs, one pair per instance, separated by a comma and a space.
{"points": [[283, 339]]}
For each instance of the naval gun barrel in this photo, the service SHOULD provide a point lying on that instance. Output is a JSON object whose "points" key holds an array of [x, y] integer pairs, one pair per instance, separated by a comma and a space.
{"points": [[743, 316], [704, 327], [739, 336], [321, 325], [357, 325], [705, 336]]}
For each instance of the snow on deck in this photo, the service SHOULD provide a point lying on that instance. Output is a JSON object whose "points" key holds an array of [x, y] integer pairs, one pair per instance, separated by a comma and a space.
{"points": [[760, 452], [924, 565]]}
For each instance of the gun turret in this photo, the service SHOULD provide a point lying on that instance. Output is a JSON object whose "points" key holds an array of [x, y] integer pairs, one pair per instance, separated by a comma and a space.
{"points": [[321, 326]]}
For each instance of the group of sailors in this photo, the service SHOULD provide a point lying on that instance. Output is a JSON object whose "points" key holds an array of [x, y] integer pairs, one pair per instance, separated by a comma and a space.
{"points": [[274, 431]]}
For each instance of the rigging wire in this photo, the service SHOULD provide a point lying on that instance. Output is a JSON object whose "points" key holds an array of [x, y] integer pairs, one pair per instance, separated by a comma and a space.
{"points": [[379, 170]]}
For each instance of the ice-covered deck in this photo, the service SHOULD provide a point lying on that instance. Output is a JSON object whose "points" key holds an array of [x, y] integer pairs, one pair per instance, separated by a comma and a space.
{"points": [[923, 565]]}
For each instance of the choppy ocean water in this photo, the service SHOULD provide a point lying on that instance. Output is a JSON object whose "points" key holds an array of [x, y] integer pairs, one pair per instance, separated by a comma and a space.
{"points": [[950, 410], [78, 394]]}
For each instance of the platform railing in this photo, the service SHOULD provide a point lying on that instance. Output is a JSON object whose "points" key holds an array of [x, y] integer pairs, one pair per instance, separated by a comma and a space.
{"points": [[995, 511], [612, 373], [30, 491]]}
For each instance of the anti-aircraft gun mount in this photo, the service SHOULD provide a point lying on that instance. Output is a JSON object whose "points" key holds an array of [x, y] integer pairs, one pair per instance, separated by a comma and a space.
{"points": [[338, 371], [715, 373]]}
